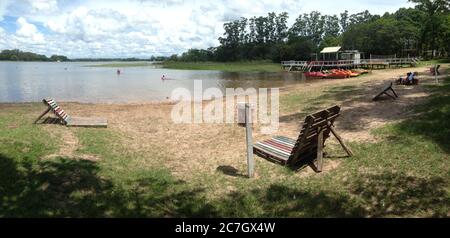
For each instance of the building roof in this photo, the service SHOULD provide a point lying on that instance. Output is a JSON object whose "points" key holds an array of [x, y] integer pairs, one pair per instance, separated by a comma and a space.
{"points": [[330, 50]]}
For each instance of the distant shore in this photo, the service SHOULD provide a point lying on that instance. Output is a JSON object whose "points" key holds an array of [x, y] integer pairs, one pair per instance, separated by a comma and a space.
{"points": [[246, 66], [122, 64]]}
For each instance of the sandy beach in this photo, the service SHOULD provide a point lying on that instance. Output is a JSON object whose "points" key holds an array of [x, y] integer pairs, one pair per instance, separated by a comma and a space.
{"points": [[192, 149]]}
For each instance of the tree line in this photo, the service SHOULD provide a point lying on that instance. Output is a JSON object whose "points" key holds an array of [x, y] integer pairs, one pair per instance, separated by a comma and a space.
{"points": [[420, 31], [18, 55]]}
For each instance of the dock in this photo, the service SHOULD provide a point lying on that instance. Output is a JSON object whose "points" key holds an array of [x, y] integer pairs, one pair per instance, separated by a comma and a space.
{"points": [[308, 66]]}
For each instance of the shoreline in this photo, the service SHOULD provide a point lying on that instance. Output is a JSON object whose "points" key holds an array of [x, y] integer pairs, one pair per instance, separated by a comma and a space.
{"points": [[375, 75]]}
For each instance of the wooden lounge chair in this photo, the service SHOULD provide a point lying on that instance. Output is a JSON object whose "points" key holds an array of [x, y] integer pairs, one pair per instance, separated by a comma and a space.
{"points": [[385, 91], [309, 144], [69, 121]]}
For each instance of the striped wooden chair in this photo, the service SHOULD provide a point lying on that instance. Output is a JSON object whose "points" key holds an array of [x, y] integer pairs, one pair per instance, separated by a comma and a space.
{"points": [[309, 144], [68, 120]]}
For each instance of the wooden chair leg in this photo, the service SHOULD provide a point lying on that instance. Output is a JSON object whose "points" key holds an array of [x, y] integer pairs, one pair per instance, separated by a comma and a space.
{"points": [[319, 150], [394, 93], [42, 115], [349, 152], [389, 95]]}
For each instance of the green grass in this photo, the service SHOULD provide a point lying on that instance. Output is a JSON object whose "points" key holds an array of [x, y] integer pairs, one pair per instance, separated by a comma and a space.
{"points": [[405, 174], [246, 66], [433, 62], [122, 65]]}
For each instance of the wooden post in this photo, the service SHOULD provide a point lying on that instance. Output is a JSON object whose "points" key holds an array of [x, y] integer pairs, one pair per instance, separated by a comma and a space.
{"points": [[43, 114], [249, 137], [319, 149], [435, 74], [245, 120]]}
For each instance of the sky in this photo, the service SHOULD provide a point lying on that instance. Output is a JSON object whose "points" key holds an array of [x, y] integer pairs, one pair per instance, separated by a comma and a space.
{"points": [[142, 28]]}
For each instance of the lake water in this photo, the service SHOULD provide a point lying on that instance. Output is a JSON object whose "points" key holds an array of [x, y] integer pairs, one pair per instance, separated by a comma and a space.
{"points": [[73, 81]]}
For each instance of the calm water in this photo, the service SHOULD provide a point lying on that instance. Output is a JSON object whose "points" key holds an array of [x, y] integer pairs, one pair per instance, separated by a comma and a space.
{"points": [[32, 81]]}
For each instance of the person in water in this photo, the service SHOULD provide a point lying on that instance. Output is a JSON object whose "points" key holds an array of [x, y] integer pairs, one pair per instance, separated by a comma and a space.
{"points": [[163, 77], [118, 71]]}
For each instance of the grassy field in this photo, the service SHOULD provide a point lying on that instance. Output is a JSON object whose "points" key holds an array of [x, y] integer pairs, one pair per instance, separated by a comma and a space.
{"points": [[122, 64], [248, 66], [405, 173], [433, 62]]}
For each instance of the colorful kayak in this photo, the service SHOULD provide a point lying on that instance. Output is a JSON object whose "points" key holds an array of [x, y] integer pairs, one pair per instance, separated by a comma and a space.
{"points": [[315, 75], [335, 73]]}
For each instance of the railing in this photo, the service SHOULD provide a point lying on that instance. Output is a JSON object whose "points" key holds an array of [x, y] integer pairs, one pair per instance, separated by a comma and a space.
{"points": [[307, 66], [318, 63], [390, 61], [333, 63], [294, 63]]}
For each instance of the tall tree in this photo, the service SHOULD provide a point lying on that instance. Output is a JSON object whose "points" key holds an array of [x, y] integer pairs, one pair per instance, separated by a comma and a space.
{"points": [[309, 25], [434, 10], [344, 21], [361, 17], [281, 27], [331, 26]]}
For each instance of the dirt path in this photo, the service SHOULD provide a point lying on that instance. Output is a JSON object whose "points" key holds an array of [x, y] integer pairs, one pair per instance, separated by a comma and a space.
{"points": [[69, 145]]}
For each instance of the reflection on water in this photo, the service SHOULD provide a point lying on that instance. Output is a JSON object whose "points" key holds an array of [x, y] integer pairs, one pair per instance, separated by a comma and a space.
{"points": [[32, 81]]}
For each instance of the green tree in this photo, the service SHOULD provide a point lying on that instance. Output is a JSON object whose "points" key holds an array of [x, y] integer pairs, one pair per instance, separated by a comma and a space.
{"points": [[331, 27], [433, 24], [297, 48], [344, 21], [281, 27]]}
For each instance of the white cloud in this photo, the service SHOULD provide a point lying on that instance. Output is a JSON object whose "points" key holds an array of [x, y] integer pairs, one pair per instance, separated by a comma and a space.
{"points": [[43, 5], [3, 36], [28, 31], [3, 5], [141, 28]]}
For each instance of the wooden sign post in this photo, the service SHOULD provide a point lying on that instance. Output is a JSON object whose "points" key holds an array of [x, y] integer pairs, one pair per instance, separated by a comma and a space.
{"points": [[245, 120], [435, 74]]}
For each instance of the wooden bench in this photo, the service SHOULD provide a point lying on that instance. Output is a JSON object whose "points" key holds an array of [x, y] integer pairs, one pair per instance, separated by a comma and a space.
{"points": [[385, 91], [308, 147], [69, 121]]}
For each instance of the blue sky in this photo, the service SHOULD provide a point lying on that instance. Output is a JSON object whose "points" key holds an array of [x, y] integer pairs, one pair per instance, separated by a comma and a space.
{"points": [[141, 28]]}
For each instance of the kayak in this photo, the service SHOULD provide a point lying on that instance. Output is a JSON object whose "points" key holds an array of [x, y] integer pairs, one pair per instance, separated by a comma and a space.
{"points": [[354, 74], [338, 74], [315, 75]]}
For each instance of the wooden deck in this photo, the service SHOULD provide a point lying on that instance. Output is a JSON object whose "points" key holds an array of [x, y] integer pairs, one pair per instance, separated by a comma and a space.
{"points": [[305, 66], [87, 122]]}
